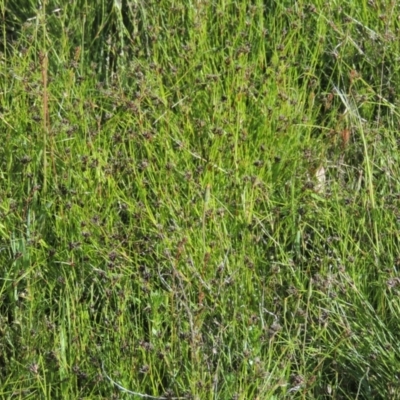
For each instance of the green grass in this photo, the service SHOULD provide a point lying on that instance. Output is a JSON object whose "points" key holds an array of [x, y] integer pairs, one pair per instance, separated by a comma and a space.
{"points": [[166, 227]]}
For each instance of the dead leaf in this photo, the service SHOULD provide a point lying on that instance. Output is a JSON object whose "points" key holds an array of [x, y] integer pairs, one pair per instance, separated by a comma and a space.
{"points": [[345, 134], [321, 179]]}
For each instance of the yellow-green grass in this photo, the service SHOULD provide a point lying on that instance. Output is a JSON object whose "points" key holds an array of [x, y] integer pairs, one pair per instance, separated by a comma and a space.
{"points": [[199, 199]]}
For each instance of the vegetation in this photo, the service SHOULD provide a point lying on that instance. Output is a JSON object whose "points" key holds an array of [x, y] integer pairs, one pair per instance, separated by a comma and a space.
{"points": [[199, 199]]}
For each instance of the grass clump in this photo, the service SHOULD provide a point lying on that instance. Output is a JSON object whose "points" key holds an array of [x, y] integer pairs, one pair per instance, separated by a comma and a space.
{"points": [[199, 200]]}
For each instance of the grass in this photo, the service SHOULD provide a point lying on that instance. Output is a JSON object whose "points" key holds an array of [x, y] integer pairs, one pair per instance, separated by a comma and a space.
{"points": [[199, 200]]}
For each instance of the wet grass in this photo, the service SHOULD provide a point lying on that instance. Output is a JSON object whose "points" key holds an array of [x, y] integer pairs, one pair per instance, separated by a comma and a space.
{"points": [[199, 200]]}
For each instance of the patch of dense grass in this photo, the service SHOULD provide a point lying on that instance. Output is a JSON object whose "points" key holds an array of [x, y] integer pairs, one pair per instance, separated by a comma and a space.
{"points": [[199, 200]]}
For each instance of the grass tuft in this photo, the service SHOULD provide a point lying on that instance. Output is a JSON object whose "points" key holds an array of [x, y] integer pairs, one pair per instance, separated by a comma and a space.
{"points": [[199, 200]]}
